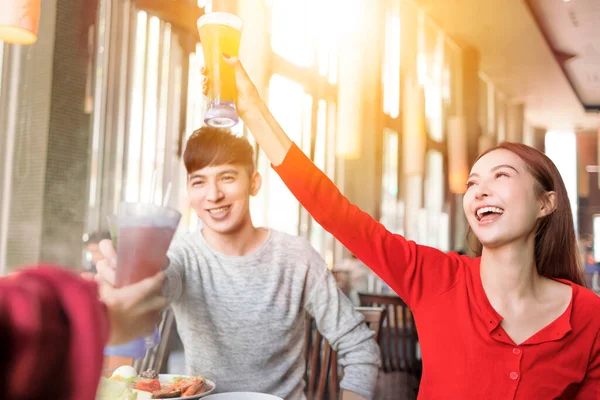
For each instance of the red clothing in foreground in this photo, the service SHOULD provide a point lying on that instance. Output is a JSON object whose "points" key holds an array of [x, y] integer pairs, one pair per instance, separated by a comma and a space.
{"points": [[466, 353], [53, 329]]}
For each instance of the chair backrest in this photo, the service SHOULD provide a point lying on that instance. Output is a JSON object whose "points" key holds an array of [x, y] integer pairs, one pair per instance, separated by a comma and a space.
{"points": [[321, 360], [156, 357], [398, 338], [318, 355], [374, 317]]}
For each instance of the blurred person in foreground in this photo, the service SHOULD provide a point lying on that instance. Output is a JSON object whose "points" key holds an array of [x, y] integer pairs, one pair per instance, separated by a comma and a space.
{"points": [[54, 327]]}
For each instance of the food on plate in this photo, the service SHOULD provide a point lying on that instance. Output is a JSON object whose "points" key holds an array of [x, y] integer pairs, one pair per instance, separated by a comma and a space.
{"points": [[149, 374], [126, 384], [190, 386], [143, 395], [194, 388], [166, 394], [148, 385], [124, 372], [111, 389]]}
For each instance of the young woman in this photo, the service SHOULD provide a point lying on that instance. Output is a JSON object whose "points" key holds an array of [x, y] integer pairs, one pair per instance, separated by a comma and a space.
{"points": [[514, 323]]}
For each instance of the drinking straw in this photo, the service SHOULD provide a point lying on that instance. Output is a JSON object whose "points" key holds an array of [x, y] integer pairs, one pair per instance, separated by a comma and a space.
{"points": [[153, 185], [167, 195]]}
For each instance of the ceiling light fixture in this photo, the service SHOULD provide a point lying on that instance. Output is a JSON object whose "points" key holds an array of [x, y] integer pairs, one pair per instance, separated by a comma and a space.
{"points": [[19, 21]]}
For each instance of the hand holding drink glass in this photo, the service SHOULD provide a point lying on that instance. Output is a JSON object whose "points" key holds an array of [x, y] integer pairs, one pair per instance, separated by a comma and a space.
{"points": [[142, 233], [133, 310], [220, 33]]}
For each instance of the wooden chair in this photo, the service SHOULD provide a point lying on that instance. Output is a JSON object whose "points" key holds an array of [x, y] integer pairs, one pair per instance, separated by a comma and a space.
{"points": [[398, 341], [322, 376], [374, 317], [318, 354], [156, 357]]}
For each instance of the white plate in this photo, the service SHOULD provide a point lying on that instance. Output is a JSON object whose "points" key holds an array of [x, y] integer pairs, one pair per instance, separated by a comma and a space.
{"points": [[242, 396], [168, 378]]}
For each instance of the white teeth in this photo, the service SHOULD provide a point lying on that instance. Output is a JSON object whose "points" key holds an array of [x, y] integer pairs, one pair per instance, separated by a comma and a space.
{"points": [[218, 210], [484, 210]]}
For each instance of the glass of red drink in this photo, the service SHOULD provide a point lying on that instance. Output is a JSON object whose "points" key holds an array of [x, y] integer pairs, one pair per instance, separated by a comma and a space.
{"points": [[145, 233]]}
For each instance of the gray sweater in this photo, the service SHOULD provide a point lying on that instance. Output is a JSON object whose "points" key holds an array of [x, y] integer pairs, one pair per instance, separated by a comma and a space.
{"points": [[242, 319]]}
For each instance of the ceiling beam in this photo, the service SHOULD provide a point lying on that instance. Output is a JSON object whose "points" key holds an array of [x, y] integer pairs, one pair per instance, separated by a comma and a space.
{"points": [[180, 13], [560, 57]]}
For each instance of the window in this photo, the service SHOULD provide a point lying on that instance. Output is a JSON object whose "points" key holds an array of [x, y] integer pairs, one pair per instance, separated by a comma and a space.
{"points": [[98, 121], [136, 119], [483, 106], [275, 205], [596, 228], [451, 79], [147, 174], [321, 137], [290, 32], [326, 35], [305, 37], [430, 68], [491, 110], [305, 31], [1, 62], [136, 111], [196, 105], [195, 101], [5, 159], [500, 118], [391, 61], [434, 182], [434, 196], [317, 233], [389, 198], [561, 147]]}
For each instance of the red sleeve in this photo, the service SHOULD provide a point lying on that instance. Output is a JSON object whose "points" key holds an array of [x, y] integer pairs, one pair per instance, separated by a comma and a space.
{"points": [[53, 331], [416, 273], [590, 388]]}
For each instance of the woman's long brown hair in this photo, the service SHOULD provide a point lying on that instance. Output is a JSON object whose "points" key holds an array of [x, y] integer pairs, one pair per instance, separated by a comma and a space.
{"points": [[556, 250]]}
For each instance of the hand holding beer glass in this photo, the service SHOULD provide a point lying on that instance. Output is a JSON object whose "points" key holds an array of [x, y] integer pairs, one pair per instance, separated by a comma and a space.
{"points": [[220, 33]]}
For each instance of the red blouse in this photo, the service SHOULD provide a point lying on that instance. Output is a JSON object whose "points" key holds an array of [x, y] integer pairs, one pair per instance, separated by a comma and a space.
{"points": [[466, 353]]}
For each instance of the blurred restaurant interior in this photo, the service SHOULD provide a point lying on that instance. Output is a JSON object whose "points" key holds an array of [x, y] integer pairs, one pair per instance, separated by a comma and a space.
{"points": [[393, 99]]}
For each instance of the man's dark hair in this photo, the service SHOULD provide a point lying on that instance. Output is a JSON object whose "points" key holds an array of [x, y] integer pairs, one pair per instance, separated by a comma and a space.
{"points": [[210, 146]]}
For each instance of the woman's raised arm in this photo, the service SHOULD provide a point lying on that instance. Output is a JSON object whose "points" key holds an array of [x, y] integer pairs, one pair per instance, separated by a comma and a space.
{"points": [[414, 272]]}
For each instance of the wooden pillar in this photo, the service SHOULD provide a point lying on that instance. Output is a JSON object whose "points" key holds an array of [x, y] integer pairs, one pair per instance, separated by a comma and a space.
{"points": [[516, 122], [538, 138], [469, 104], [467, 108]]}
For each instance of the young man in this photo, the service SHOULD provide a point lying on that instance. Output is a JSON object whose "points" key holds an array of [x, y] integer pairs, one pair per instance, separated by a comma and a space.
{"points": [[240, 292]]}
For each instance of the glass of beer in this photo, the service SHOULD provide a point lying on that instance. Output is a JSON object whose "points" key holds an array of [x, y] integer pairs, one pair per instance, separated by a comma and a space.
{"points": [[220, 33]]}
